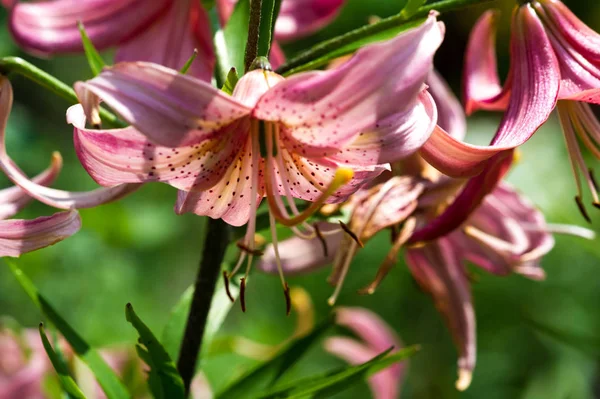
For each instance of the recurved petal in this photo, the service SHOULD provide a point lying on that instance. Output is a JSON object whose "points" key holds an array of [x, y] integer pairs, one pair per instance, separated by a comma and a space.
{"points": [[169, 108], [186, 23], [450, 114], [50, 27], [326, 110], [20, 236], [438, 268], [119, 156], [482, 89], [393, 138], [299, 256], [367, 325], [230, 198], [13, 199], [298, 18]]}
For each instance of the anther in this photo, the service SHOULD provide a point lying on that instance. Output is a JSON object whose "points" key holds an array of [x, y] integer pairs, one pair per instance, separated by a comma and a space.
{"points": [[226, 281], [243, 294], [582, 209], [345, 227], [321, 239], [248, 250], [288, 299]]}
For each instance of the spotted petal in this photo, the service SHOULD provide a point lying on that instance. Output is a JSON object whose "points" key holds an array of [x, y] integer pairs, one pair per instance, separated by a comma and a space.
{"points": [[326, 110], [49, 27], [20, 236], [169, 108]]}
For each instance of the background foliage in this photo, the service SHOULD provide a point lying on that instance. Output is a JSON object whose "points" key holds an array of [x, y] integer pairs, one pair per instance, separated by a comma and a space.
{"points": [[535, 340]]}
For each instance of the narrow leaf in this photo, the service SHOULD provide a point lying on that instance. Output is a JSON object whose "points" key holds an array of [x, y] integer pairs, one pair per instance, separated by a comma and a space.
{"points": [[266, 374], [230, 42], [268, 15], [188, 63], [65, 379], [411, 7], [334, 382], [164, 380], [108, 380], [94, 59], [231, 81]]}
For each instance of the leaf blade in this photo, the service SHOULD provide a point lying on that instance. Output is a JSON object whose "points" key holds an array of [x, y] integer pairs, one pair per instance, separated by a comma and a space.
{"points": [[94, 59]]}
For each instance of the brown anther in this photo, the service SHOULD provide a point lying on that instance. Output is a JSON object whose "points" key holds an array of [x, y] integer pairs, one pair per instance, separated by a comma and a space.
{"points": [[321, 239], [243, 293], [593, 178], [345, 227], [582, 209], [596, 205], [288, 299], [97, 126], [226, 281], [394, 233], [254, 252]]}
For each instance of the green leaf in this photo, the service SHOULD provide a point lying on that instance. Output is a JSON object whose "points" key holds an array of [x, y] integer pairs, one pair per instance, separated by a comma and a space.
{"points": [[230, 42], [268, 16], [220, 307], [411, 7], [188, 63], [230, 81], [266, 374], [94, 59], [108, 380], [337, 381], [164, 380], [66, 381]]}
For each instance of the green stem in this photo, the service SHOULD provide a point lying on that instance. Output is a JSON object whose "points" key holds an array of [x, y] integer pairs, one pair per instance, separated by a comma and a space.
{"points": [[215, 244], [253, 33], [44, 79], [330, 45]]}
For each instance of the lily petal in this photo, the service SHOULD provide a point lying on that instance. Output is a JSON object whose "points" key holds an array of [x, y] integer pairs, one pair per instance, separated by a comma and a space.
{"points": [[326, 110], [299, 256], [185, 23], [20, 236], [119, 156], [482, 89], [450, 115], [50, 27], [13, 199], [438, 269], [169, 108], [299, 18]]}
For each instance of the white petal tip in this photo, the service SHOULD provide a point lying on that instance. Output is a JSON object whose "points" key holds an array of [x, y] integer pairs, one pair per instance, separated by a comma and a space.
{"points": [[464, 379]]}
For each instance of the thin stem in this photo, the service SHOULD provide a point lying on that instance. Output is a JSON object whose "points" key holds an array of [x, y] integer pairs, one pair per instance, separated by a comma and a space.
{"points": [[217, 239], [253, 33], [44, 79], [330, 45]]}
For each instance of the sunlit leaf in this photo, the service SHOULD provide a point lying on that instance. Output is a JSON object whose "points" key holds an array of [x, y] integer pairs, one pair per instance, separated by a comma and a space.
{"points": [[94, 59], [230, 42], [268, 373], [334, 382], [188, 63], [268, 16], [108, 380], [65, 379], [411, 7], [231, 81], [163, 379]]}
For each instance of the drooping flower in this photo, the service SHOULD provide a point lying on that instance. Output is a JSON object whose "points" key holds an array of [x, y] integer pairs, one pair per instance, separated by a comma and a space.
{"points": [[554, 64], [316, 136], [375, 337], [142, 30]]}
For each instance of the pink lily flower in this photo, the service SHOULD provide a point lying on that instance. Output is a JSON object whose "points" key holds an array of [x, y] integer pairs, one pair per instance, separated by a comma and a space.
{"points": [[554, 64], [375, 337], [142, 30], [297, 18], [316, 136]]}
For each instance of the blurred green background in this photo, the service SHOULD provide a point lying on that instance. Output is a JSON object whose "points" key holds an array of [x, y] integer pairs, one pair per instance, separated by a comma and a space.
{"points": [[139, 251]]}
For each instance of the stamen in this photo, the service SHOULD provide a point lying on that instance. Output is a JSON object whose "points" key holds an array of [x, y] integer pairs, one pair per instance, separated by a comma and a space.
{"points": [[288, 299], [243, 294], [582, 209], [351, 234], [248, 250], [238, 265], [226, 281], [343, 272], [390, 260], [322, 240]]}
